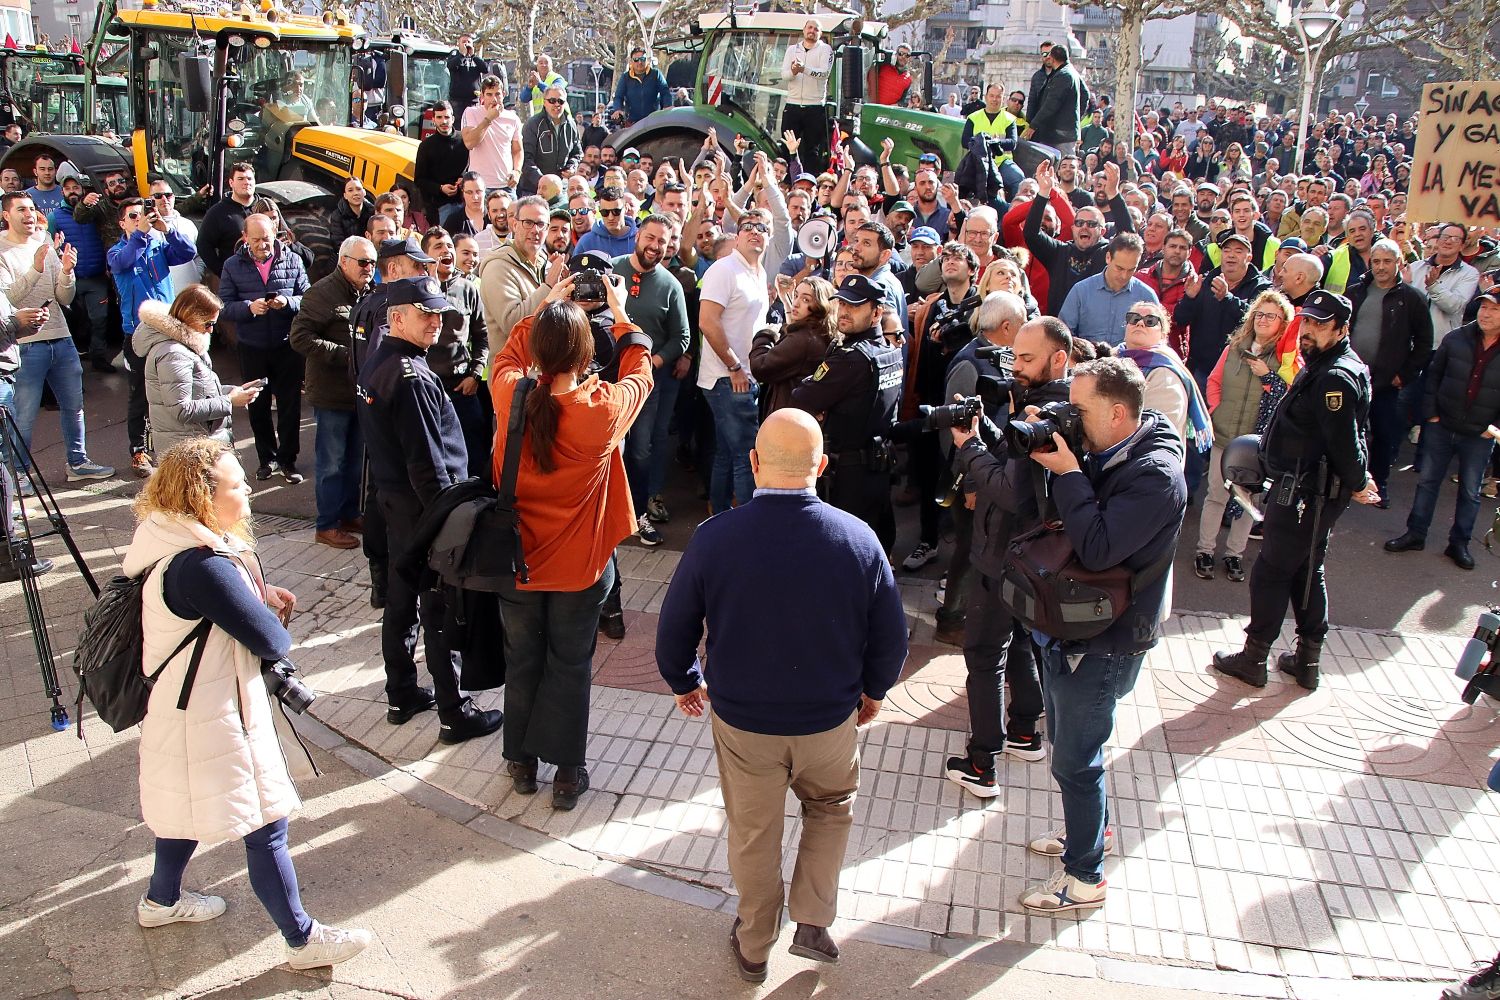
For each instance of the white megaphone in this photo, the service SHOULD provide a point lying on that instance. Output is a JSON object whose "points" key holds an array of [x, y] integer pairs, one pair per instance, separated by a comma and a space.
{"points": [[815, 238]]}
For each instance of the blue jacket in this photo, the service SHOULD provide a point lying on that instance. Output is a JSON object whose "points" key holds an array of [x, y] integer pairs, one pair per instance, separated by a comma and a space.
{"points": [[803, 616], [81, 236], [1127, 512], [240, 284], [600, 240], [640, 96], [142, 265]]}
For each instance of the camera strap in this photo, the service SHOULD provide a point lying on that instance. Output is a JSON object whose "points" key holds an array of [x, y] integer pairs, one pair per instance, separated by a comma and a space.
{"points": [[515, 430]]}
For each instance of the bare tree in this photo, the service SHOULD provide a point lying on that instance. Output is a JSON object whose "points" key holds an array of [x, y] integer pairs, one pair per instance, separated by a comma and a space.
{"points": [[1457, 40], [874, 10]]}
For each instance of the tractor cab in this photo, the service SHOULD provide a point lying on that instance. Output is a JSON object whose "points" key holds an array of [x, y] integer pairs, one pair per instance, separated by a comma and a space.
{"points": [[416, 79], [26, 76]]}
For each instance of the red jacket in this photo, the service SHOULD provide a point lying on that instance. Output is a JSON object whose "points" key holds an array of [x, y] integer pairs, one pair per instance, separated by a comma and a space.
{"points": [[1170, 293], [1011, 235]]}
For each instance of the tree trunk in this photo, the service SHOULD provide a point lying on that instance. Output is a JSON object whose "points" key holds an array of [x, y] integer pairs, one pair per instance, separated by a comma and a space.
{"points": [[530, 36], [1127, 71]]}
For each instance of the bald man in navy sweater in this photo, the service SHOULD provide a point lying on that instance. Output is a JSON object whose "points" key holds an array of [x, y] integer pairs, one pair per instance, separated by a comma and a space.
{"points": [[806, 633]]}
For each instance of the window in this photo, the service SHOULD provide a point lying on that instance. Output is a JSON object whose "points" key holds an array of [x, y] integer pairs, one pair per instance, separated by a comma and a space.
{"points": [[179, 140], [746, 72]]}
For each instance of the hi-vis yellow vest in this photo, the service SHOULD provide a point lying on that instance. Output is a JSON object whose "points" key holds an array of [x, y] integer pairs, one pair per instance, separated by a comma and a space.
{"points": [[1000, 127]]}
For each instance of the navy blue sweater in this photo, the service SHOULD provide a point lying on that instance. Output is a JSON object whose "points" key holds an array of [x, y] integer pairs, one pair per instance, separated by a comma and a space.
{"points": [[200, 583], [803, 616]]}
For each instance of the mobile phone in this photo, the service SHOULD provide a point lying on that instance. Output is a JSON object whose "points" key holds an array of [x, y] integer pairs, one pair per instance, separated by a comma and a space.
{"points": [[259, 383], [268, 297], [44, 305]]}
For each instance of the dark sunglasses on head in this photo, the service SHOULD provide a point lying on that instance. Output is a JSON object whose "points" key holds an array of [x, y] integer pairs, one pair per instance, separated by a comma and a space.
{"points": [[755, 227], [1148, 319]]}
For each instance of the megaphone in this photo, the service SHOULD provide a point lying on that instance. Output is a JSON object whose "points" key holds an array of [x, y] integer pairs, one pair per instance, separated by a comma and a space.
{"points": [[815, 238]]}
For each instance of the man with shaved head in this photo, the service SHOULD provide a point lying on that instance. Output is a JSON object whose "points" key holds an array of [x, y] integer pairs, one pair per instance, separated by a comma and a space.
{"points": [[786, 699]]}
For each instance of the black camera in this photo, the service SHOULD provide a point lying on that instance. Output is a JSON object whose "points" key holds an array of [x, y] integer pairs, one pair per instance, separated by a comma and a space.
{"points": [[588, 286], [1059, 417], [953, 331], [282, 683], [959, 414]]}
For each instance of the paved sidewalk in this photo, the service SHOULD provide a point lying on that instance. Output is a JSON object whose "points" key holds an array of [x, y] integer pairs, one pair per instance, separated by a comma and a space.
{"points": [[1330, 836]]}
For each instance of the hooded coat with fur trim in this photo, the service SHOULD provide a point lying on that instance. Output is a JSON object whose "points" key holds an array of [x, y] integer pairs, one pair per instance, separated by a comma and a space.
{"points": [[184, 397]]}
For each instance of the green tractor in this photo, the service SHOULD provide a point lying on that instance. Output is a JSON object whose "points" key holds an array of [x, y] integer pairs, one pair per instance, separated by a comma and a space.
{"points": [[46, 92], [416, 79], [739, 90]]}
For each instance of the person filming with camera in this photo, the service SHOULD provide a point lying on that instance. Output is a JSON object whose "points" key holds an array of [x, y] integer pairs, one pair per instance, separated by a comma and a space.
{"points": [[1115, 476]]}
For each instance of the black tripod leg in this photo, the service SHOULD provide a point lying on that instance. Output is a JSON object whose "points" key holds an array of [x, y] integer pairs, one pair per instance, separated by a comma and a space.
{"points": [[36, 614]]}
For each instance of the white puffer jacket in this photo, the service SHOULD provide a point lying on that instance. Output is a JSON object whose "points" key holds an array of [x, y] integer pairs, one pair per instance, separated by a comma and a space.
{"points": [[215, 771]]}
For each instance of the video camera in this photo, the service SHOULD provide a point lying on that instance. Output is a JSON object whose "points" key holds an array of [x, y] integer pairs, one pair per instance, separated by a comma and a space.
{"points": [[953, 331], [1483, 676]]}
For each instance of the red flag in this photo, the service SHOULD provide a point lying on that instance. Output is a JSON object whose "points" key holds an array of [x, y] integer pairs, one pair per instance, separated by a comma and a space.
{"points": [[10, 42], [75, 48]]}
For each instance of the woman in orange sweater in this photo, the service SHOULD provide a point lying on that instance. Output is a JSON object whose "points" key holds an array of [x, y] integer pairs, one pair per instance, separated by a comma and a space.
{"points": [[574, 506]]}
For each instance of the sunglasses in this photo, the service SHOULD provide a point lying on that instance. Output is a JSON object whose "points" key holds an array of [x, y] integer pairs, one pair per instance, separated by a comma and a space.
{"points": [[362, 261], [579, 213], [608, 212], [132, 215], [162, 196], [1087, 224], [1148, 320], [755, 227], [555, 100]]}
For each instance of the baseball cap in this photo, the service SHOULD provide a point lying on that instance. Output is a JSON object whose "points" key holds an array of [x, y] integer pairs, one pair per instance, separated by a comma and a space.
{"points": [[924, 234], [631, 153], [1294, 243], [1492, 296], [1206, 186], [1322, 304], [424, 293], [1227, 237], [901, 206], [808, 178], [589, 261], [857, 290], [408, 247]]}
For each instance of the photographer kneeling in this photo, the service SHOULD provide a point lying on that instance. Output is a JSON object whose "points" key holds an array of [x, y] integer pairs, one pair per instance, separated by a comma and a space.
{"points": [[1121, 505], [1005, 489]]}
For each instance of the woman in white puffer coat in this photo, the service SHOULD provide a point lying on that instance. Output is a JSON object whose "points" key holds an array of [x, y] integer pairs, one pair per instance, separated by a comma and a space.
{"points": [[214, 770]]}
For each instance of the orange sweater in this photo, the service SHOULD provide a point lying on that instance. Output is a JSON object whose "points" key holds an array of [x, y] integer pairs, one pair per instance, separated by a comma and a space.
{"points": [[573, 517]]}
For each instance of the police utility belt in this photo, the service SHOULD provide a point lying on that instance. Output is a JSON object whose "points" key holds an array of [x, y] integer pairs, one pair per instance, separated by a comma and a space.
{"points": [[877, 457]]}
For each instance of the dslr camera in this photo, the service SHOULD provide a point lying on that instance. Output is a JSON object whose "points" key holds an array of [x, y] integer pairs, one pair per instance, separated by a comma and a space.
{"points": [[282, 683], [1058, 417], [588, 286], [953, 330], [992, 393]]}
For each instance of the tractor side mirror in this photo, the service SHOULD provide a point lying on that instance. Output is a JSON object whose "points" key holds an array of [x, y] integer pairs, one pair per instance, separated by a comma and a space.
{"points": [[197, 74]]}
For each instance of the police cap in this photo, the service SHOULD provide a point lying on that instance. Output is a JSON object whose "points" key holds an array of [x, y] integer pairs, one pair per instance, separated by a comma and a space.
{"points": [[589, 260], [1323, 305], [424, 293], [856, 289]]}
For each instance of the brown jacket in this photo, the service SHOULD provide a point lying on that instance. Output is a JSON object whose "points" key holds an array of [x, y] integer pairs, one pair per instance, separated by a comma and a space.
{"points": [[779, 363]]}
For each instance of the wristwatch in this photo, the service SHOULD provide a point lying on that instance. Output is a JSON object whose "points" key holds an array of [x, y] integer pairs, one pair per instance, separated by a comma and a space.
{"points": [[738, 366]]}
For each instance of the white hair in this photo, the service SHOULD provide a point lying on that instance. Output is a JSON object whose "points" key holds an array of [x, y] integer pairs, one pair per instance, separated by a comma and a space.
{"points": [[353, 244]]}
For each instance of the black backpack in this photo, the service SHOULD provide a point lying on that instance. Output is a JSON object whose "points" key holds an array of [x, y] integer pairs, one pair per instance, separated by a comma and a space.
{"points": [[109, 660]]}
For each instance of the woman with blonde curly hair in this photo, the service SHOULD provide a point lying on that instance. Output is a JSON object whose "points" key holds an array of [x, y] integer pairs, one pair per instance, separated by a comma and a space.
{"points": [[212, 767]]}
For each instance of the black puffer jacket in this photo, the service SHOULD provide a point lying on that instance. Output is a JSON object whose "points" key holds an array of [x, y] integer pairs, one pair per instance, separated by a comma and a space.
{"points": [[1447, 395], [1211, 320], [1405, 332]]}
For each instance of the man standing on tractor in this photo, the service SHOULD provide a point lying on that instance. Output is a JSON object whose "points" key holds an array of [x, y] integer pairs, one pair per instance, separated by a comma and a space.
{"points": [[641, 91], [805, 70]]}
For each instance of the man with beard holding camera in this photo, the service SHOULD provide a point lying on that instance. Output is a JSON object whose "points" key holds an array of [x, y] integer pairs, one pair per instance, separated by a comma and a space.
{"points": [[1120, 498], [1005, 490], [1315, 456], [855, 394]]}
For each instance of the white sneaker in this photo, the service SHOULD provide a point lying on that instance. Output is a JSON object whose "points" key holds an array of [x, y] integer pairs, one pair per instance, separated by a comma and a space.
{"points": [[942, 589], [920, 556], [190, 908], [646, 531], [1063, 892], [327, 946], [1052, 845]]}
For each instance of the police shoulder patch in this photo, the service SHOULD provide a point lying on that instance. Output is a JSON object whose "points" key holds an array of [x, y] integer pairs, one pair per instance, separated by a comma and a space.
{"points": [[820, 371], [1334, 401], [407, 371]]}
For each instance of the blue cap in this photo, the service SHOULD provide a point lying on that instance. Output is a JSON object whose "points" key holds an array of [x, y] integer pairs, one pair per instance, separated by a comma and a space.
{"points": [[1324, 305], [924, 234], [424, 293]]}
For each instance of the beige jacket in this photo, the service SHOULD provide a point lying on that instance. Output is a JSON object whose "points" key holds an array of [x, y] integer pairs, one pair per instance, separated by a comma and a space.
{"points": [[509, 290]]}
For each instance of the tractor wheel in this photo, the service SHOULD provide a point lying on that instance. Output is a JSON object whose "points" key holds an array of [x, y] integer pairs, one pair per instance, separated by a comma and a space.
{"points": [[672, 146], [310, 224]]}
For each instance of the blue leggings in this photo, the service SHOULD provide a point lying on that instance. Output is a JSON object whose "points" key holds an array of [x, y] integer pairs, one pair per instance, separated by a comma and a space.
{"points": [[271, 876]]}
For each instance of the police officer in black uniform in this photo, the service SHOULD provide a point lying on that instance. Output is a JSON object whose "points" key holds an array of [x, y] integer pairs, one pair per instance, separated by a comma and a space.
{"points": [[1316, 459], [416, 447], [395, 259], [855, 392]]}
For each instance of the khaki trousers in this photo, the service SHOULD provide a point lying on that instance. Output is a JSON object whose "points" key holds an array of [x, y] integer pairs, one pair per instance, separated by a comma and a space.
{"points": [[755, 771]]}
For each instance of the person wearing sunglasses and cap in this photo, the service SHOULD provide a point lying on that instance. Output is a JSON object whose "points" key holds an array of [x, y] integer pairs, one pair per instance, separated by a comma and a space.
{"points": [[550, 141], [1316, 458]]}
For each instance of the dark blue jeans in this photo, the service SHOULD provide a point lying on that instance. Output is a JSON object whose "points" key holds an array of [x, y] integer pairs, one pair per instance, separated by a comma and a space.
{"points": [[646, 443], [271, 876], [1080, 707], [339, 454], [736, 420], [1439, 447], [549, 664], [1387, 430]]}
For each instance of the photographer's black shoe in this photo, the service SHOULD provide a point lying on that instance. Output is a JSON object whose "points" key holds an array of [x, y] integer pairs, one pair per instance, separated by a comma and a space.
{"points": [[1459, 553], [266, 471], [1248, 665], [472, 723], [1409, 542], [1302, 665], [418, 702]]}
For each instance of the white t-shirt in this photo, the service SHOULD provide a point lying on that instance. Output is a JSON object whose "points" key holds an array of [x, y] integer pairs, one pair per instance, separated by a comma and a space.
{"points": [[491, 159], [741, 289], [191, 272], [811, 85]]}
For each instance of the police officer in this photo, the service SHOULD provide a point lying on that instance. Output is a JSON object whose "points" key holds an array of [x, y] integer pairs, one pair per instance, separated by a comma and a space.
{"points": [[416, 448], [395, 259], [1315, 456], [855, 392]]}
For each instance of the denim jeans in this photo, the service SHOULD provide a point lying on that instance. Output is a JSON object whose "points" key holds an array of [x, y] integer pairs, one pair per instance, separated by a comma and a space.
{"points": [[549, 663], [271, 876], [338, 453], [1080, 706], [735, 423], [1439, 447], [646, 443], [55, 363]]}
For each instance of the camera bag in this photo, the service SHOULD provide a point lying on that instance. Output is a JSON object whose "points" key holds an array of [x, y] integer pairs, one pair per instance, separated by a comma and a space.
{"points": [[1046, 586]]}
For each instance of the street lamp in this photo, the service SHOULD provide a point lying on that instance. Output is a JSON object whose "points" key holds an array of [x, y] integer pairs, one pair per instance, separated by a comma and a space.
{"points": [[1315, 23], [646, 12], [1360, 107]]}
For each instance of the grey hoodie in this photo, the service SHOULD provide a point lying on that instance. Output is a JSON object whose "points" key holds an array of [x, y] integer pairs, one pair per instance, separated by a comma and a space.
{"points": [[184, 397]]}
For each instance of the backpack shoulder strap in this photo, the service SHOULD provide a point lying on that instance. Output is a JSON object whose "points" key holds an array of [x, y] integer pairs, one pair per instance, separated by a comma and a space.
{"points": [[200, 631], [514, 433]]}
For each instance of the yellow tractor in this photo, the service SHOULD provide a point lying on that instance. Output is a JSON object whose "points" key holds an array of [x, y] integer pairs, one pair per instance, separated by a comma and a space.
{"points": [[212, 85]]}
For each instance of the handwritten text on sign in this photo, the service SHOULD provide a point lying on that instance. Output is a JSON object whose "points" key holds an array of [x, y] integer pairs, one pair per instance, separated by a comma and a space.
{"points": [[1456, 164]]}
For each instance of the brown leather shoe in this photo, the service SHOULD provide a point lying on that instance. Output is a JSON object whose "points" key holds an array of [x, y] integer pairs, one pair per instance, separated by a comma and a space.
{"points": [[814, 943], [750, 972], [355, 525], [336, 538], [522, 776]]}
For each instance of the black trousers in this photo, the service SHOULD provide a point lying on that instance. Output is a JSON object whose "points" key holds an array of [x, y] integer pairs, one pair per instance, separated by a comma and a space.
{"points": [[866, 495], [275, 441], [1289, 553], [476, 419], [135, 400], [997, 651], [810, 123], [955, 598], [414, 600], [926, 478]]}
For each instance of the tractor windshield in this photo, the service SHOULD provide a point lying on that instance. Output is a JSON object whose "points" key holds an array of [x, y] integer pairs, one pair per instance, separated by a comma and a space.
{"points": [[179, 138], [280, 83], [25, 73], [744, 68], [426, 82]]}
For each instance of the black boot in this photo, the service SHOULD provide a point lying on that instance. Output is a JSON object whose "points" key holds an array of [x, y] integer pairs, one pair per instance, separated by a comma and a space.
{"points": [[1248, 665], [377, 584], [1303, 666]]}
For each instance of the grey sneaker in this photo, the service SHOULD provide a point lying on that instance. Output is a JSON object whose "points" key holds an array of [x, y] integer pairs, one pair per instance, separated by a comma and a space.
{"points": [[190, 908], [1482, 984], [656, 509], [327, 946], [646, 531], [920, 556], [89, 470]]}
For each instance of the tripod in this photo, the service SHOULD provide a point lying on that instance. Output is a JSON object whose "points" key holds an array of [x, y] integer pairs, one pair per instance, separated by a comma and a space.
{"points": [[20, 549]]}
